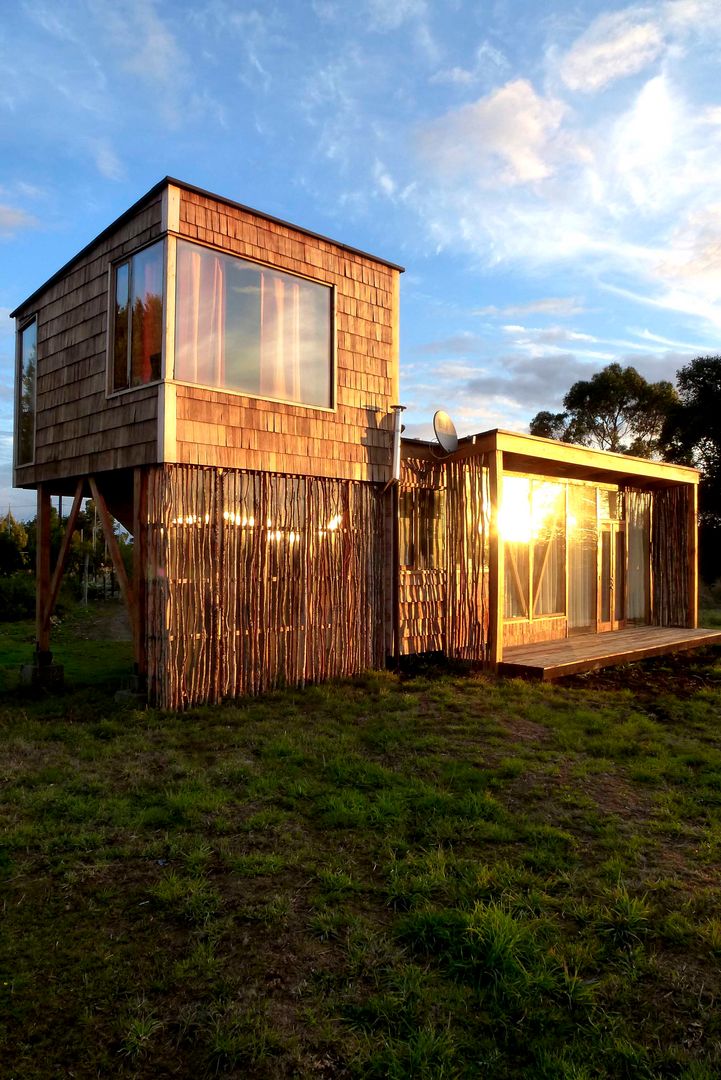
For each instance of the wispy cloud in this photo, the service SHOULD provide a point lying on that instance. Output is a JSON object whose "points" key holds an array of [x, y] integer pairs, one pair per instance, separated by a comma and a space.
{"points": [[107, 161], [13, 220], [560, 307], [615, 45], [487, 61], [390, 16]]}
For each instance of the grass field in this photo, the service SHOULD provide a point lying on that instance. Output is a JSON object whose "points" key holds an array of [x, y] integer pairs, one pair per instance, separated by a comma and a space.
{"points": [[433, 876]]}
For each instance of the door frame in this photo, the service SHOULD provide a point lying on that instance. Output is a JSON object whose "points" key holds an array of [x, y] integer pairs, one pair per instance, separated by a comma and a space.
{"points": [[618, 575]]}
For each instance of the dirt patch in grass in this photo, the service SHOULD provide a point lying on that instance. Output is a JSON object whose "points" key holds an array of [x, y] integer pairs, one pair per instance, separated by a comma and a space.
{"points": [[523, 730], [682, 674], [615, 795]]}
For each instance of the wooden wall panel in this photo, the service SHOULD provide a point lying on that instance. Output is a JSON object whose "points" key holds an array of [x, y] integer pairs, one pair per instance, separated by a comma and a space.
{"points": [[354, 440], [447, 609], [78, 430], [422, 611], [672, 547], [257, 580], [523, 632]]}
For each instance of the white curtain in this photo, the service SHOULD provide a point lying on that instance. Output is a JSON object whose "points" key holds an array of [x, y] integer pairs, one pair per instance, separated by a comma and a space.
{"points": [[200, 316], [638, 525], [582, 558]]}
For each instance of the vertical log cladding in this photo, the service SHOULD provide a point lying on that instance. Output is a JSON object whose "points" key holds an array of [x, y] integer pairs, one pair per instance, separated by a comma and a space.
{"points": [[259, 580], [669, 555], [468, 525], [447, 608]]}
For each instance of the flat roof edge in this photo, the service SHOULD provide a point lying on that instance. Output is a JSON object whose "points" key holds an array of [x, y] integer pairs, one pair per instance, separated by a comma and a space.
{"points": [[534, 446], [168, 181]]}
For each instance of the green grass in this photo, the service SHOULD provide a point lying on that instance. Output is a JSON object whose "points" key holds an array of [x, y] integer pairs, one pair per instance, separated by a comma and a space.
{"points": [[439, 876]]}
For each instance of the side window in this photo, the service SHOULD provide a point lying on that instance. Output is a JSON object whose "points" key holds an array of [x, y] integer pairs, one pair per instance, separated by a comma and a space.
{"points": [[25, 414], [422, 529], [138, 319]]}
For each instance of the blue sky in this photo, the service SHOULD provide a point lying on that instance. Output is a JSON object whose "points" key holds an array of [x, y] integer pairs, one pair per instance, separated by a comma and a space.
{"points": [[548, 174]]}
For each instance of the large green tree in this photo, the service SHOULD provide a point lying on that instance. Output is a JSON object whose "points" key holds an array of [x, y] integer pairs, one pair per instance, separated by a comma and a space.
{"points": [[692, 431], [616, 409]]}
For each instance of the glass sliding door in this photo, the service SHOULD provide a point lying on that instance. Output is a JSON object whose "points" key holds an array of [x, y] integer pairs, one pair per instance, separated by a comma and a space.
{"points": [[582, 559], [638, 525], [612, 576]]}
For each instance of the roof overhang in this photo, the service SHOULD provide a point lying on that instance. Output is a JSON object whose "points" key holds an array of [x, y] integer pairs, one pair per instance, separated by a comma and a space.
{"points": [[548, 457]]}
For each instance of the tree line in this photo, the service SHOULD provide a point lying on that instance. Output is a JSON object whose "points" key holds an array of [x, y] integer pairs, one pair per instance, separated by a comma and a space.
{"points": [[617, 409], [88, 567]]}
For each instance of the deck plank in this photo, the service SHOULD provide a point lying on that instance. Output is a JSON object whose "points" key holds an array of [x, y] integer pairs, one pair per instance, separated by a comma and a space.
{"points": [[550, 660]]}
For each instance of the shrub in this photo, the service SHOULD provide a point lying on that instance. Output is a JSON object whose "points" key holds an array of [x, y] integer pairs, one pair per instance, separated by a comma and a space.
{"points": [[17, 597]]}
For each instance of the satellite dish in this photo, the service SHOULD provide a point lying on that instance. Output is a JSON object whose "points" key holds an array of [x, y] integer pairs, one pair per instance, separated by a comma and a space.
{"points": [[445, 431]]}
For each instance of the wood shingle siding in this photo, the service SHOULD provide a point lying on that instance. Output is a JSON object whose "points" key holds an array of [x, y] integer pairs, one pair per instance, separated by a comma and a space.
{"points": [[351, 441], [79, 430]]}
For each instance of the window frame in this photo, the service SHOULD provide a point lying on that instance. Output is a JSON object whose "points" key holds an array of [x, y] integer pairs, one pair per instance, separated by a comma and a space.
{"points": [[529, 599], [169, 367], [110, 390], [415, 520], [21, 326]]}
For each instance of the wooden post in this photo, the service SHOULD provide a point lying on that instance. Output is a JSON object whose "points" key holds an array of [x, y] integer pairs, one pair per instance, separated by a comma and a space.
{"points": [[140, 565], [42, 581], [496, 561], [62, 556], [692, 555], [396, 576]]}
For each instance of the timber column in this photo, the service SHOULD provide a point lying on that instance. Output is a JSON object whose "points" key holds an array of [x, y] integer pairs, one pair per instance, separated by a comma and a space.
{"points": [[496, 561]]}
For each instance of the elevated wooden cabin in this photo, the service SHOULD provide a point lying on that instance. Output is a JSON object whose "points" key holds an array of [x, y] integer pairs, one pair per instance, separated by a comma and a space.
{"points": [[224, 384], [221, 382]]}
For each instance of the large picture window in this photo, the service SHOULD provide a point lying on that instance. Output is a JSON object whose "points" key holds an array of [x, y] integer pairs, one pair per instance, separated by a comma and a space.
{"points": [[533, 525], [240, 326], [27, 369], [138, 322]]}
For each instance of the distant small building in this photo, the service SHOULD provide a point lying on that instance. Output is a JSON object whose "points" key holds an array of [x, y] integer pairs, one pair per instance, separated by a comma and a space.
{"points": [[223, 383]]}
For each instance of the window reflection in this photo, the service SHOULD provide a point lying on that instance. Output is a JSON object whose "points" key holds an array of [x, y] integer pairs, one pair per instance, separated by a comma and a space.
{"points": [[25, 436], [138, 322], [422, 529], [249, 328]]}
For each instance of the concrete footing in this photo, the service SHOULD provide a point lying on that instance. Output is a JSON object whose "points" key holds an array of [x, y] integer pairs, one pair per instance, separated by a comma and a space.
{"points": [[43, 673]]}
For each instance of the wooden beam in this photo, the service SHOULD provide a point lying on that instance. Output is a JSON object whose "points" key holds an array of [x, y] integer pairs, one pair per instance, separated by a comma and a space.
{"points": [[550, 450], [42, 575], [496, 561], [692, 554], [63, 554], [140, 564], [118, 564]]}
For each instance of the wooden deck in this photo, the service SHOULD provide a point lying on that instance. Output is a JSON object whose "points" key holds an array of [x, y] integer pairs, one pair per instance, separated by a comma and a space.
{"points": [[549, 660]]}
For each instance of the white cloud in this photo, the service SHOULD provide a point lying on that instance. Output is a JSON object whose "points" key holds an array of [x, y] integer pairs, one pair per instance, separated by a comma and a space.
{"points": [[695, 255], [615, 45], [627, 194], [506, 137], [558, 306], [148, 49], [12, 219], [384, 181], [488, 60], [50, 19], [106, 160]]}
